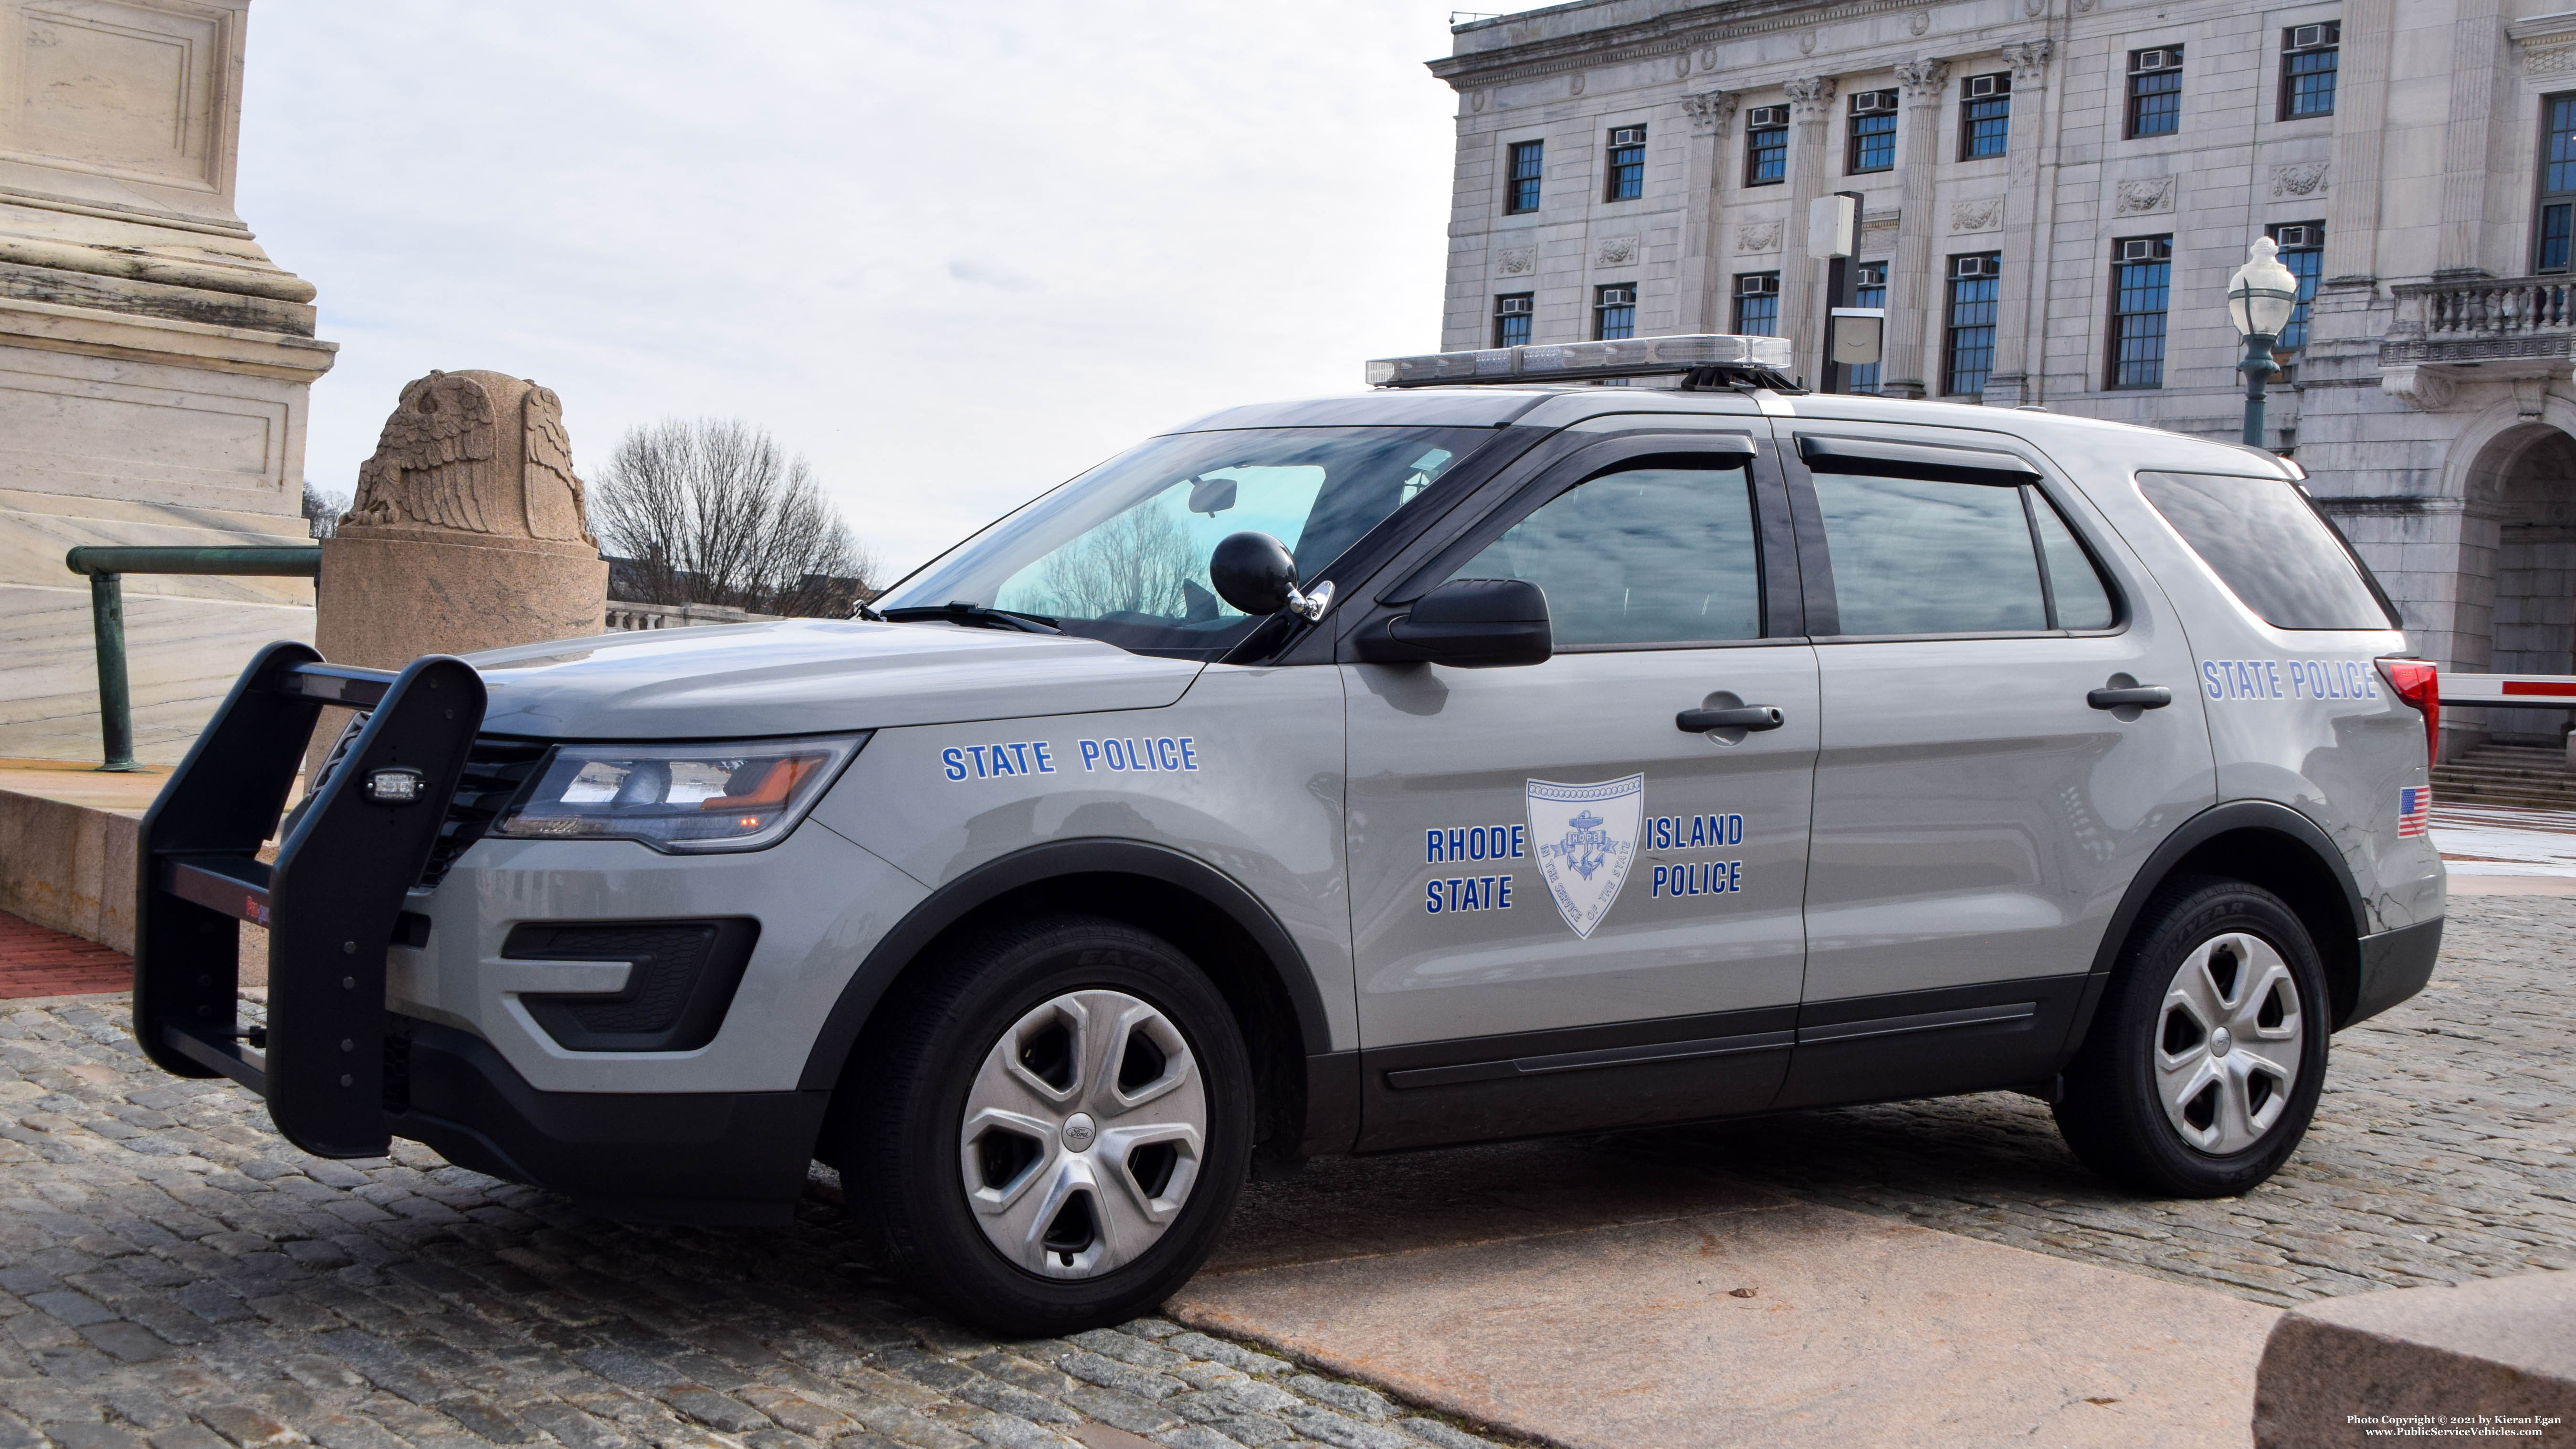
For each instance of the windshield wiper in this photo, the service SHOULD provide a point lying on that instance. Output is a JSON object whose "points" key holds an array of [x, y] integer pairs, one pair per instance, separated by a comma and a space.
{"points": [[958, 611]]}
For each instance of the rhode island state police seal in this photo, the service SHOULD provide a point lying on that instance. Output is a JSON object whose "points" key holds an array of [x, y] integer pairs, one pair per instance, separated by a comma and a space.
{"points": [[1586, 835]]}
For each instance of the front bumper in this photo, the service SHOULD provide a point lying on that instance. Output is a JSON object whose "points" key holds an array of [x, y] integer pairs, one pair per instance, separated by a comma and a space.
{"points": [[695, 1157], [395, 1009]]}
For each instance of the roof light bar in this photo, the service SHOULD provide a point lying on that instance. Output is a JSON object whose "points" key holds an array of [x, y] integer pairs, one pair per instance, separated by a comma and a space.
{"points": [[1578, 361]]}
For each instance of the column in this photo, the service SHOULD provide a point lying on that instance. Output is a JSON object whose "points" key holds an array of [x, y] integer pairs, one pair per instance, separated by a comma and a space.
{"points": [[1700, 307], [2465, 141], [1811, 106], [1911, 287], [2025, 253], [2361, 119]]}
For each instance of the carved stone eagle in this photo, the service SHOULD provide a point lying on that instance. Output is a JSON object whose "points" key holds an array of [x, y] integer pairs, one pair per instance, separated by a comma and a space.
{"points": [[473, 452]]}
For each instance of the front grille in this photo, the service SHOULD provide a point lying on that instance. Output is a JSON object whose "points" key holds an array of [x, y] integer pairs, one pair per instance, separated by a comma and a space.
{"points": [[495, 769]]}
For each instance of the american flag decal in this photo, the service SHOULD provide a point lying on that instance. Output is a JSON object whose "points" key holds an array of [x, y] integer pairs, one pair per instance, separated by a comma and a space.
{"points": [[2414, 804]]}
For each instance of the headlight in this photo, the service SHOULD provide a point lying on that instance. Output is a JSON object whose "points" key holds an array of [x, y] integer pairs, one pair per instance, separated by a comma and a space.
{"points": [[679, 798]]}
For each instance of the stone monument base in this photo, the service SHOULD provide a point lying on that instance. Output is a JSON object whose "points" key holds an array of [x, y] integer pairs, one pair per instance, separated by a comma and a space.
{"points": [[381, 596]]}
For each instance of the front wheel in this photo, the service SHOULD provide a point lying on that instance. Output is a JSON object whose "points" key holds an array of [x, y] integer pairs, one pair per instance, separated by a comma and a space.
{"points": [[1057, 1128], [2204, 1065]]}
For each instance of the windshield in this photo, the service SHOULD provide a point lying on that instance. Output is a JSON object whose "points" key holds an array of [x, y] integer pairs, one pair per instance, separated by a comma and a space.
{"points": [[1121, 553]]}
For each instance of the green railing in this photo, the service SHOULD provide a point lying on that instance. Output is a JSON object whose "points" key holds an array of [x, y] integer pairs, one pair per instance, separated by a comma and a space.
{"points": [[106, 568]]}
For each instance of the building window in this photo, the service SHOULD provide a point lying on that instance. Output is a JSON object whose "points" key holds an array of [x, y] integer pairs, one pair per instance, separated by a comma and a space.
{"points": [[1873, 132], [1614, 312], [1512, 320], [1528, 157], [2303, 250], [1869, 289], [1766, 145], [2155, 91], [2141, 274], [1757, 304], [2308, 69], [1985, 115], [1627, 164], [1968, 335], [2557, 208]]}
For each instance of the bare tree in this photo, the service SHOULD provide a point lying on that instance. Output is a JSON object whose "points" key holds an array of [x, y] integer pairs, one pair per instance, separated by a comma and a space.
{"points": [[322, 511], [1135, 562], [711, 512]]}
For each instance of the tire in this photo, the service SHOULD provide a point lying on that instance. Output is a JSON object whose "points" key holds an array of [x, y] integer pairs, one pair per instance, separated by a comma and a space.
{"points": [[1052, 1129], [2205, 1061]]}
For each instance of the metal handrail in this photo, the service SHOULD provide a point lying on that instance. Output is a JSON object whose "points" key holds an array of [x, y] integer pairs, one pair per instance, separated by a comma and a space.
{"points": [[106, 567]]}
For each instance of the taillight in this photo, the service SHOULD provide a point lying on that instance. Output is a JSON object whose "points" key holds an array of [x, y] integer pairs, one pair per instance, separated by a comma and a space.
{"points": [[2419, 684]]}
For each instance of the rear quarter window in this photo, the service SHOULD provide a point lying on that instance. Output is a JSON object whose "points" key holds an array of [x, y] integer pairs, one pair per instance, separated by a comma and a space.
{"points": [[2272, 549]]}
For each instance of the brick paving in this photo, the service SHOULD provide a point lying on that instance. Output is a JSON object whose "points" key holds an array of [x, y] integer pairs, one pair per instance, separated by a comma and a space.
{"points": [[35, 961], [172, 1273]]}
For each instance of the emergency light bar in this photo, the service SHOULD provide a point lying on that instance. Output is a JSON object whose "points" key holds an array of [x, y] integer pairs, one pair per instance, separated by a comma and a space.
{"points": [[1758, 360]]}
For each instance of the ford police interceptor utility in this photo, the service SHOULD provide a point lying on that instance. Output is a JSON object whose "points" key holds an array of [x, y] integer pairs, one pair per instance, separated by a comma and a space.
{"points": [[1491, 754]]}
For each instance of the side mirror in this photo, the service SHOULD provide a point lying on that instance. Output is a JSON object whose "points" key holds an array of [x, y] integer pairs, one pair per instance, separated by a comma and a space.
{"points": [[1469, 624], [1254, 572]]}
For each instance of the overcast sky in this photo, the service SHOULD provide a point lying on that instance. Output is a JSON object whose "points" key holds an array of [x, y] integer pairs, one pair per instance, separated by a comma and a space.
{"points": [[952, 253]]}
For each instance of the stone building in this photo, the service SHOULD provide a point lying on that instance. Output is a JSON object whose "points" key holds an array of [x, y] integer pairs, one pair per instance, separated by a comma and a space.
{"points": [[154, 364], [2053, 194]]}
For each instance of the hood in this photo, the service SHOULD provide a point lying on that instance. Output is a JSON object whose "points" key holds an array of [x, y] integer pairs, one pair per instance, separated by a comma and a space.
{"points": [[808, 676]]}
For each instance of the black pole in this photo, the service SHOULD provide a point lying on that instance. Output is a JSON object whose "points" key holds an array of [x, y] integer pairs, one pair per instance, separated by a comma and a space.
{"points": [[2258, 368]]}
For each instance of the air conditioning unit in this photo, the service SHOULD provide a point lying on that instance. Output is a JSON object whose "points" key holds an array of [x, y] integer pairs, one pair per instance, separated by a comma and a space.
{"points": [[2302, 237], [1979, 87], [1868, 101], [2168, 58], [1767, 116], [2309, 37], [1763, 284], [1977, 266], [1512, 306], [2146, 249], [1618, 296], [1628, 136]]}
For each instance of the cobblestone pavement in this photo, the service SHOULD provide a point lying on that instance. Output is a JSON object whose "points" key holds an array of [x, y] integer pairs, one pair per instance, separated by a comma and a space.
{"points": [[172, 1272], [2444, 1148]]}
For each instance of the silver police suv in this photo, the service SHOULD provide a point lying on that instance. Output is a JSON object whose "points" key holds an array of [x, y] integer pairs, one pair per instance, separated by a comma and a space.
{"points": [[1492, 754]]}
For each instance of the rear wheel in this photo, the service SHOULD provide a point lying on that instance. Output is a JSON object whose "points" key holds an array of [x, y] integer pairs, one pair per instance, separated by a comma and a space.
{"points": [[1056, 1130], [2205, 1062]]}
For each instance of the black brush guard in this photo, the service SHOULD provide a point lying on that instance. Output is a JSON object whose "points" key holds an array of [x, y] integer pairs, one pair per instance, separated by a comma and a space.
{"points": [[331, 903]]}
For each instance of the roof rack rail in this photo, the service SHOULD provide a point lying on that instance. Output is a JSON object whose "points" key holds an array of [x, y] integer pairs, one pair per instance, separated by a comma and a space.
{"points": [[1705, 361]]}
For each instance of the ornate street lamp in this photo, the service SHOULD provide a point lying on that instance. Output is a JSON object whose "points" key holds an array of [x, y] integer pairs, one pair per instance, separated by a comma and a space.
{"points": [[2260, 298]]}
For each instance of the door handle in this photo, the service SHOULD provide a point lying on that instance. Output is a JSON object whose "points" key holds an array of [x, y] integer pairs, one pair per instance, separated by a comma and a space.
{"points": [[1747, 717], [2145, 696]]}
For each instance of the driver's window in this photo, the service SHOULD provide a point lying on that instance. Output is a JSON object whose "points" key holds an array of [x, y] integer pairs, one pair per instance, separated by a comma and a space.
{"points": [[1661, 553], [1149, 561]]}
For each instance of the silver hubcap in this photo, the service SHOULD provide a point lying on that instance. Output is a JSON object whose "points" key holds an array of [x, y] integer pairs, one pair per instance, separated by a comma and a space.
{"points": [[2228, 1042], [1083, 1134]]}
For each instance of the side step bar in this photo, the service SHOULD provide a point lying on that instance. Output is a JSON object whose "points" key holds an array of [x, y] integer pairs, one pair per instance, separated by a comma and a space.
{"points": [[332, 903]]}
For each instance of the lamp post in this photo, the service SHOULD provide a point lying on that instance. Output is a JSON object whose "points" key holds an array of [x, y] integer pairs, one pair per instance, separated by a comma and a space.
{"points": [[2260, 298]]}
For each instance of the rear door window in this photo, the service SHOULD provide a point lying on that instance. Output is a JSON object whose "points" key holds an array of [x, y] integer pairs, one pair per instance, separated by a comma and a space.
{"points": [[2271, 547], [1919, 556]]}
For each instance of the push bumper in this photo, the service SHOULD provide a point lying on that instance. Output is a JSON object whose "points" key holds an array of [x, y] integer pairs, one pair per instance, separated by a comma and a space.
{"points": [[332, 901], [2394, 966]]}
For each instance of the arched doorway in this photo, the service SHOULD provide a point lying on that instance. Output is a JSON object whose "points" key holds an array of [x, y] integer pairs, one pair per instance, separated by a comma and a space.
{"points": [[2526, 480]]}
